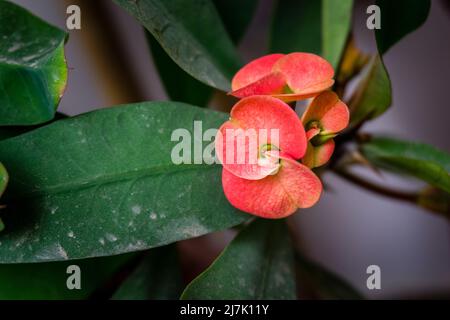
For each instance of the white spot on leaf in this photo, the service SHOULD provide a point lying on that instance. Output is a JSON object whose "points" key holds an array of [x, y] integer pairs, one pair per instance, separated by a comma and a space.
{"points": [[111, 237], [136, 209]]}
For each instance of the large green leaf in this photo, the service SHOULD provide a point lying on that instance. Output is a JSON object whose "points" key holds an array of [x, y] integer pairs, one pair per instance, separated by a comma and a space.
{"points": [[415, 159], [336, 23], [258, 264], [33, 69], [157, 277], [398, 18], [192, 34], [236, 16], [179, 85], [323, 282], [48, 281], [104, 183], [297, 27], [372, 96], [319, 27]]}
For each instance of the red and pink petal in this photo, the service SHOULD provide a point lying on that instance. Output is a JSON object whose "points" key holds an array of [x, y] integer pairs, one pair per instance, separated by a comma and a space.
{"points": [[257, 121], [270, 84], [254, 71], [332, 114], [276, 196], [273, 115], [317, 156], [305, 73], [237, 149]]}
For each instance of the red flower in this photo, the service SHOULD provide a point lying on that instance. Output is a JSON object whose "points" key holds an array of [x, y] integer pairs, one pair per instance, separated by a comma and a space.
{"points": [[258, 148], [288, 77], [323, 119]]}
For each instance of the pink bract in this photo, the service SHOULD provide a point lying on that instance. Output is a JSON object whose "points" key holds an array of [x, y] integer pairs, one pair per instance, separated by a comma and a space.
{"points": [[325, 117], [276, 196], [287, 77], [276, 185], [251, 117]]}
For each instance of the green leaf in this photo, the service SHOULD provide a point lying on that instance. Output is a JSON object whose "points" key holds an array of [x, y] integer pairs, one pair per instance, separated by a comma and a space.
{"points": [[179, 85], [33, 70], [373, 95], [336, 22], [192, 34], [320, 27], [415, 159], [324, 283], [398, 18], [297, 27], [157, 277], [236, 16], [258, 264], [104, 183], [48, 281]]}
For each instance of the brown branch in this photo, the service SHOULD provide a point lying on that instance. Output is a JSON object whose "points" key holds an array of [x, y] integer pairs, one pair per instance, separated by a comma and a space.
{"points": [[108, 52], [378, 189]]}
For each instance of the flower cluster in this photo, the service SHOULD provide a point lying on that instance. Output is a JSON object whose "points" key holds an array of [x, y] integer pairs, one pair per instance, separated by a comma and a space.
{"points": [[266, 150]]}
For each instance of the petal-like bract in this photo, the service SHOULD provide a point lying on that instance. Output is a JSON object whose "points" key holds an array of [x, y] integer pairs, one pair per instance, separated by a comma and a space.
{"points": [[276, 196], [271, 84], [305, 73], [254, 71], [290, 77], [329, 111], [256, 122], [317, 156]]}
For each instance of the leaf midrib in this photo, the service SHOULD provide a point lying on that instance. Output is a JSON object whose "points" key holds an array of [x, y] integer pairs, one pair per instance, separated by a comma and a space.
{"points": [[111, 178]]}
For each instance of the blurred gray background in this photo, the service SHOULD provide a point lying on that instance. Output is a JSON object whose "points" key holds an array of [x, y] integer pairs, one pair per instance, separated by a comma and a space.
{"points": [[350, 228]]}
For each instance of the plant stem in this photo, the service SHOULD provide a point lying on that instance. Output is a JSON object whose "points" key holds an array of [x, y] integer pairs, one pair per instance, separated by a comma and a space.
{"points": [[368, 185]]}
